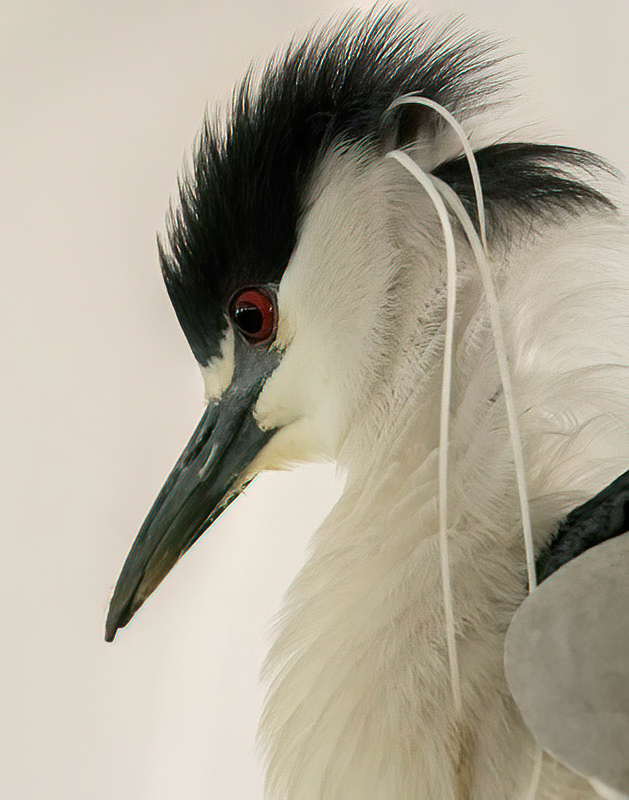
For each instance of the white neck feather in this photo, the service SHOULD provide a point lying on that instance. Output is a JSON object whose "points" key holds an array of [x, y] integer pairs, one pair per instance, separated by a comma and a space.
{"points": [[360, 706]]}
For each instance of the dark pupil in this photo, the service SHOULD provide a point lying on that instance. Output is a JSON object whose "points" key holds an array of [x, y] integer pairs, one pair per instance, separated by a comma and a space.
{"points": [[249, 319]]}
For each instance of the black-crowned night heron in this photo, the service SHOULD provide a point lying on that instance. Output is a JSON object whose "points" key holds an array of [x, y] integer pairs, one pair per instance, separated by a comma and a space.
{"points": [[353, 291]]}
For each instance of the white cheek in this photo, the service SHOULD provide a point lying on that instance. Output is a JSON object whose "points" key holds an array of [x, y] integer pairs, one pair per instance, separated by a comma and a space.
{"points": [[217, 375], [307, 420], [325, 302], [335, 306], [303, 406]]}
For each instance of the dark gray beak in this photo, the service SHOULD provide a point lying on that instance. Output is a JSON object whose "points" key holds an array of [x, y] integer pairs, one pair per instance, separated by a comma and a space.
{"points": [[209, 475]]}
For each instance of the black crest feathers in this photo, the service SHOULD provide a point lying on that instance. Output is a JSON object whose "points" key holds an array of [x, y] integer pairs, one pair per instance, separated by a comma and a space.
{"points": [[239, 213], [240, 208]]}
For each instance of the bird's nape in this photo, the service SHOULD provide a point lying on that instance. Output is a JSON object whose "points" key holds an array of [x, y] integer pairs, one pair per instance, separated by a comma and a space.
{"points": [[352, 293]]}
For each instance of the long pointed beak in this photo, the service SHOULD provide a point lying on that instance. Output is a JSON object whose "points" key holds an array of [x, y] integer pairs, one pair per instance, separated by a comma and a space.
{"points": [[209, 475]]}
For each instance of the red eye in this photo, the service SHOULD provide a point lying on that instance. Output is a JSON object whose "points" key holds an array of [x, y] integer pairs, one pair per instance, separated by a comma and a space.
{"points": [[253, 312]]}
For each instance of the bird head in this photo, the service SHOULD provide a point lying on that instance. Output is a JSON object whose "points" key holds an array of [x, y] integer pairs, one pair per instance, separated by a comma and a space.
{"points": [[283, 263], [304, 266]]}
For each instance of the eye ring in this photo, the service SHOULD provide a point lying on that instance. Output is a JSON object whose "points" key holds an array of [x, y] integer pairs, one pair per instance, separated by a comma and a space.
{"points": [[253, 313]]}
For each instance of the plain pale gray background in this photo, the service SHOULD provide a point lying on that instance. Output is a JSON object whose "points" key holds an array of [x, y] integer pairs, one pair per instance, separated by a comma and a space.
{"points": [[100, 100]]}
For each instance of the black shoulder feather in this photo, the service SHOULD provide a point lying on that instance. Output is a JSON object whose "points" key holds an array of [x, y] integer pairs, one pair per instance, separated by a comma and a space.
{"points": [[526, 179]]}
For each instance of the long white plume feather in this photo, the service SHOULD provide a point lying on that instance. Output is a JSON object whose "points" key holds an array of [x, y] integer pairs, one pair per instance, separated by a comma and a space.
{"points": [[444, 422]]}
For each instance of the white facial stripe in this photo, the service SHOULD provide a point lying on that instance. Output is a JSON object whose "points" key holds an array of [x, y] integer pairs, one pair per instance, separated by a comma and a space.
{"points": [[217, 375], [325, 301], [339, 312]]}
